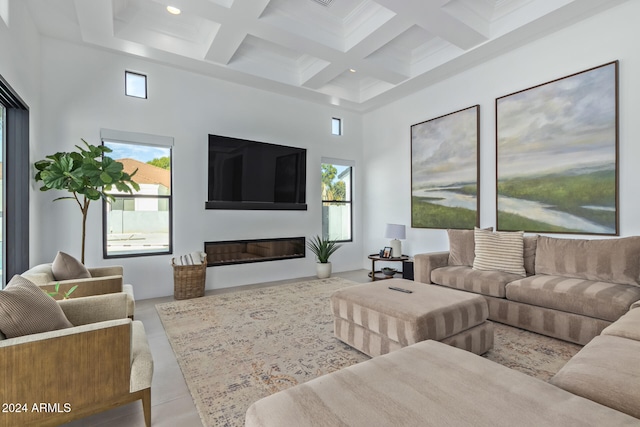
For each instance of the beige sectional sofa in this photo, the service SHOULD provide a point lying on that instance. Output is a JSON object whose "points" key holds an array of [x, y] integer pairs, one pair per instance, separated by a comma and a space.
{"points": [[433, 384], [606, 370], [573, 288], [585, 291]]}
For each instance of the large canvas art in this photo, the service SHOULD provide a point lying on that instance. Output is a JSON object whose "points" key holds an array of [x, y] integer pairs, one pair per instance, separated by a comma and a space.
{"points": [[445, 171], [557, 155]]}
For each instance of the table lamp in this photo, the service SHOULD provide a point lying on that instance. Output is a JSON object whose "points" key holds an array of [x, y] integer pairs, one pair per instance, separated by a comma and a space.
{"points": [[395, 232]]}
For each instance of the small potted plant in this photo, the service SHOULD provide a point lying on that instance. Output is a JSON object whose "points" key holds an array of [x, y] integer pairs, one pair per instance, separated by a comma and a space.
{"points": [[322, 248]]}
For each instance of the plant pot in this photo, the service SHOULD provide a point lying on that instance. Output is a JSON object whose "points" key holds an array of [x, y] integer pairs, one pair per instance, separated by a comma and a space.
{"points": [[323, 270]]}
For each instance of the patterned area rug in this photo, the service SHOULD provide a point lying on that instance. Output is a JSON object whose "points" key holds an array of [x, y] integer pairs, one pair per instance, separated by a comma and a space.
{"points": [[238, 347]]}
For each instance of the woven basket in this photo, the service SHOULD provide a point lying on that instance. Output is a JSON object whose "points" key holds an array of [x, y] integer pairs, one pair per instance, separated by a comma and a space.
{"points": [[189, 280]]}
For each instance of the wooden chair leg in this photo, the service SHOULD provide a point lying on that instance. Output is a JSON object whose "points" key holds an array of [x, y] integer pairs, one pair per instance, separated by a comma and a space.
{"points": [[146, 406]]}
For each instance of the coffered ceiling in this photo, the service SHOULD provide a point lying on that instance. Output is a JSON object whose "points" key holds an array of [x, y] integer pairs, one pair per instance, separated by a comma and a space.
{"points": [[358, 54]]}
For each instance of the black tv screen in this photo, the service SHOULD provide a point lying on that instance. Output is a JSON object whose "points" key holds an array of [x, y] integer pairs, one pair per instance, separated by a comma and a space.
{"points": [[247, 174]]}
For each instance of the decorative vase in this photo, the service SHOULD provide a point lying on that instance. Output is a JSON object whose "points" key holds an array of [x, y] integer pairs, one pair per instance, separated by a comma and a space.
{"points": [[323, 270]]}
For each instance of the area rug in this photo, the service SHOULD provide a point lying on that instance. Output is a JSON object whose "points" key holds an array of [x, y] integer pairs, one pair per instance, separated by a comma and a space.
{"points": [[238, 347]]}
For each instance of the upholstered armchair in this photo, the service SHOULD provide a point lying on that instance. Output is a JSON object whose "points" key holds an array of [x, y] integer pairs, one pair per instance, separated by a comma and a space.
{"points": [[103, 280], [102, 362]]}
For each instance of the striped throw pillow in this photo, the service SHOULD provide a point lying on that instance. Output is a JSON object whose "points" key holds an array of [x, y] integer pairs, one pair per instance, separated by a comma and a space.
{"points": [[25, 309], [502, 250]]}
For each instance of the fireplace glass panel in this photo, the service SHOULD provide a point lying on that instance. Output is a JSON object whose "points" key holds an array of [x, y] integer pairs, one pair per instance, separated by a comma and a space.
{"points": [[246, 251]]}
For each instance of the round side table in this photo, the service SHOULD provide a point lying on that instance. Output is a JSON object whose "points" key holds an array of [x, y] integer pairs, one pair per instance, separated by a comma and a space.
{"points": [[378, 275]]}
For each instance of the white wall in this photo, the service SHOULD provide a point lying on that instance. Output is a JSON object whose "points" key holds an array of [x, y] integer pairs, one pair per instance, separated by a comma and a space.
{"points": [[83, 91], [20, 67], [612, 35], [73, 91]]}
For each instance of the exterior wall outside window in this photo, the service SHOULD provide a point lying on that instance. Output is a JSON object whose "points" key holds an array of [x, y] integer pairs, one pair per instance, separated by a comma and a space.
{"points": [[140, 223], [337, 215]]}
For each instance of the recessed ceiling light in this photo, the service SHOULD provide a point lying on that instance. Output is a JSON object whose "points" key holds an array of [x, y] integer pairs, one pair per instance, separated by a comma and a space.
{"points": [[173, 10], [353, 70]]}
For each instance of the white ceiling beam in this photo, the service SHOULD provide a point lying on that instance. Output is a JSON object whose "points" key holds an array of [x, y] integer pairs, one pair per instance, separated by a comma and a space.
{"points": [[469, 16], [225, 44], [95, 19], [340, 62], [429, 15], [234, 30]]}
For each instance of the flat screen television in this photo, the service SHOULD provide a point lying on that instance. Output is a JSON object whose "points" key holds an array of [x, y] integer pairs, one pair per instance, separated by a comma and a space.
{"points": [[247, 174]]}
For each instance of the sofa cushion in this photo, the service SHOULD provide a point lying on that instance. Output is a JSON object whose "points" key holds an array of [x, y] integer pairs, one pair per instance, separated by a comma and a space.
{"points": [[66, 267], [502, 250], [602, 300], [628, 326], [40, 274], [530, 243], [462, 246], [606, 371], [25, 309], [611, 260], [491, 283]]}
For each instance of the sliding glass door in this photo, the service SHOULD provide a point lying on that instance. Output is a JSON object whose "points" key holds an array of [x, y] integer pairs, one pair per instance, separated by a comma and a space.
{"points": [[2, 192], [15, 175]]}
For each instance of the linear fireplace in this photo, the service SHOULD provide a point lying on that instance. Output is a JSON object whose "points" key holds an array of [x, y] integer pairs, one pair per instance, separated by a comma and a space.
{"points": [[256, 250]]}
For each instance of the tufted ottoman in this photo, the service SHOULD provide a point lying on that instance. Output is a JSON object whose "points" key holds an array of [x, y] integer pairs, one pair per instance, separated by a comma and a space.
{"points": [[376, 320]]}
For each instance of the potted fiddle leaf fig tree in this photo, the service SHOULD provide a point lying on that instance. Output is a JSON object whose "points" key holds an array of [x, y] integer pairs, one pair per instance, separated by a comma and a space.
{"points": [[88, 174], [322, 248]]}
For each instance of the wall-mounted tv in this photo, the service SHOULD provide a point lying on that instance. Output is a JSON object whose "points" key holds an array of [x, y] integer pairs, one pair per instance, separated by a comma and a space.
{"points": [[247, 174]]}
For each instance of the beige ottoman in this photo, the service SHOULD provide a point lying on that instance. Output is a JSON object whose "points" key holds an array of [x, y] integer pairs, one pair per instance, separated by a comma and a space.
{"points": [[376, 320]]}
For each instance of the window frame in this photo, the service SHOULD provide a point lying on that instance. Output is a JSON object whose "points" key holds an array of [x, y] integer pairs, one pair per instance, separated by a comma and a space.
{"points": [[138, 139], [338, 121], [351, 165], [17, 177], [126, 86]]}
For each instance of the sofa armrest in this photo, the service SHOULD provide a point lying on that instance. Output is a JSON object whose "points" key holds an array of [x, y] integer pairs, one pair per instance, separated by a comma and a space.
{"points": [[74, 368], [424, 264], [97, 308], [111, 270], [86, 287]]}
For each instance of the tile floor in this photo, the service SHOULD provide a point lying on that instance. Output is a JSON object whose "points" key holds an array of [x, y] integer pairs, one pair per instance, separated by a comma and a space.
{"points": [[171, 403]]}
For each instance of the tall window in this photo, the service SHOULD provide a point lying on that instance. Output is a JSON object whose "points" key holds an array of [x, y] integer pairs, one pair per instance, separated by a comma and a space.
{"points": [[140, 223], [336, 200], [14, 183], [2, 175]]}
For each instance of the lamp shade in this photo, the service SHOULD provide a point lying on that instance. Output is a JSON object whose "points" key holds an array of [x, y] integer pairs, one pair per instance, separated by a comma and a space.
{"points": [[395, 231]]}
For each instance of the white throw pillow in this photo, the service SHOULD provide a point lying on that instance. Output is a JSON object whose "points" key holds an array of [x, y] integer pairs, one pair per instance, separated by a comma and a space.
{"points": [[500, 250]]}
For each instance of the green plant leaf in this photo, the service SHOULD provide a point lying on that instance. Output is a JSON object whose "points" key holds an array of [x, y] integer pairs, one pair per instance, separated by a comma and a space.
{"points": [[70, 291], [42, 165], [322, 248], [106, 178]]}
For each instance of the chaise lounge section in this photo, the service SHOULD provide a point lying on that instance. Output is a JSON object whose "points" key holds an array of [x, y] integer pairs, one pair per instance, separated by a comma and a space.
{"points": [[433, 384]]}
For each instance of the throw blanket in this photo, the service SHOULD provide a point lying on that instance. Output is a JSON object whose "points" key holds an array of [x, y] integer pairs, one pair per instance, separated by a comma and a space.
{"points": [[192, 258]]}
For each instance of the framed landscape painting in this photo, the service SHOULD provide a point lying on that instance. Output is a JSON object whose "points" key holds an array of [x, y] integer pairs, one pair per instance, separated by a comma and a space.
{"points": [[557, 155], [445, 171]]}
